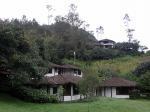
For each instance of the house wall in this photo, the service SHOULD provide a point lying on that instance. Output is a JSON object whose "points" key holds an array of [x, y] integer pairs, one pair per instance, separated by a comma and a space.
{"points": [[65, 71], [69, 98], [111, 92], [52, 74]]}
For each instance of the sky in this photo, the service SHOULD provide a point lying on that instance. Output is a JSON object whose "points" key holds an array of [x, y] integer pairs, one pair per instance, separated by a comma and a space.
{"points": [[106, 13]]}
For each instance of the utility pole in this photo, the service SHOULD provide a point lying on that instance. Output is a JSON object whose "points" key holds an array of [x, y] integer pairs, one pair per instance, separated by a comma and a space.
{"points": [[74, 54]]}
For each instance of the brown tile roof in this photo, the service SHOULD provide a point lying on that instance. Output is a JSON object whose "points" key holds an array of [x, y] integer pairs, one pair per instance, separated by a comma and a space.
{"points": [[69, 66], [107, 40], [60, 79], [54, 65], [63, 66], [118, 82]]}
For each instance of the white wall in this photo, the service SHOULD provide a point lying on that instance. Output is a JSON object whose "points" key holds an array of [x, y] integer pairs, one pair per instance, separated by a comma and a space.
{"points": [[107, 92], [68, 71], [52, 74], [69, 98]]}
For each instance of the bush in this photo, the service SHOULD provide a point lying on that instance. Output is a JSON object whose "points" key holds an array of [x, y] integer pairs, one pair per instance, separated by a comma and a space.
{"points": [[142, 68], [34, 95], [135, 94], [145, 95]]}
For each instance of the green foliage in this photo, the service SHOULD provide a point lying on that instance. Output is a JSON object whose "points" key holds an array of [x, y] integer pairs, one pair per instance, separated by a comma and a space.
{"points": [[142, 68], [148, 53], [88, 84], [106, 73], [134, 94], [60, 93], [144, 81], [142, 71], [128, 48], [101, 53], [34, 95]]}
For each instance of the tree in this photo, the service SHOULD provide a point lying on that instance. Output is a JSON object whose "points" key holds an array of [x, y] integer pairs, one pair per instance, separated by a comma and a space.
{"points": [[128, 30], [49, 9], [19, 55], [142, 68], [106, 73], [60, 93], [73, 17], [142, 72], [88, 85], [144, 81], [128, 48], [99, 30]]}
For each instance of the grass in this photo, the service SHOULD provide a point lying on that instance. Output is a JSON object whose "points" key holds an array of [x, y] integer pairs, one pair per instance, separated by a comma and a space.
{"points": [[122, 66], [10, 104]]}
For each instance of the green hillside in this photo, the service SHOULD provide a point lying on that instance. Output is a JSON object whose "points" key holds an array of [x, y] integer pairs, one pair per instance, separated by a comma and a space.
{"points": [[122, 66]]}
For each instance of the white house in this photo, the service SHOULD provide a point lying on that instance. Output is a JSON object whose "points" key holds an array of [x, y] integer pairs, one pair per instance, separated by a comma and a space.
{"points": [[66, 76], [106, 43], [116, 87]]}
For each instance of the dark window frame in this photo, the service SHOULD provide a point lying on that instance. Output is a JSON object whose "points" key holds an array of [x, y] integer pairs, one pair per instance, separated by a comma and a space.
{"points": [[122, 90], [50, 70]]}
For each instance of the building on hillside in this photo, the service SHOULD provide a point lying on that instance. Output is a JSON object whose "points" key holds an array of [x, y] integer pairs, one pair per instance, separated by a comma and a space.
{"points": [[116, 88], [106, 43], [66, 76]]}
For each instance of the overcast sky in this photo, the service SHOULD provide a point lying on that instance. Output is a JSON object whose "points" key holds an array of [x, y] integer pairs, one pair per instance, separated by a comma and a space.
{"points": [[106, 13]]}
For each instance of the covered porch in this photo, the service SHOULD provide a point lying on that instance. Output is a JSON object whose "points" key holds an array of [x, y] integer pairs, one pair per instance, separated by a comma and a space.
{"points": [[70, 91], [67, 81]]}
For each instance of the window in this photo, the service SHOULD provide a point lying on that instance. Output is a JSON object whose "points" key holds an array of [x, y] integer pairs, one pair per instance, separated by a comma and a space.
{"points": [[54, 90], [79, 72], [75, 90], [75, 71], [59, 71], [56, 70], [122, 91], [50, 70]]}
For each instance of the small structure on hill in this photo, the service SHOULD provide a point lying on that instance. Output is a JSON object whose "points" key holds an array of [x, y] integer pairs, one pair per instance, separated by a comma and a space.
{"points": [[106, 43]]}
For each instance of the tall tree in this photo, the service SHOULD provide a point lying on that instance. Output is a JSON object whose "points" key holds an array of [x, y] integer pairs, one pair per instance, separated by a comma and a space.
{"points": [[49, 9], [99, 30], [73, 17], [129, 30]]}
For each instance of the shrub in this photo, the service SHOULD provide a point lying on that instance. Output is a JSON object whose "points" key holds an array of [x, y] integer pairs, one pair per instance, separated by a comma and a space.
{"points": [[142, 68], [135, 94], [34, 95]]}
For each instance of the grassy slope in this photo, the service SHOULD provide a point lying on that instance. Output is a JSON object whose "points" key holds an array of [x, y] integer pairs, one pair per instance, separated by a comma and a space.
{"points": [[122, 66], [9, 104]]}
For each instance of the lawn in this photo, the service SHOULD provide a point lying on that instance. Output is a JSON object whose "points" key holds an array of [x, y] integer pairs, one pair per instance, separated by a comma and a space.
{"points": [[10, 104]]}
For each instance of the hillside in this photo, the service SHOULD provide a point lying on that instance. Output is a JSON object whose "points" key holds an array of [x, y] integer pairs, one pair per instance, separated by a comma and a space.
{"points": [[122, 66]]}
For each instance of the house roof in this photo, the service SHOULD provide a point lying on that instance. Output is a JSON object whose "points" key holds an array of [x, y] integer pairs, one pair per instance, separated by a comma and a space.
{"points": [[63, 66], [60, 79], [107, 40], [55, 65], [55, 80], [118, 82], [69, 66]]}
